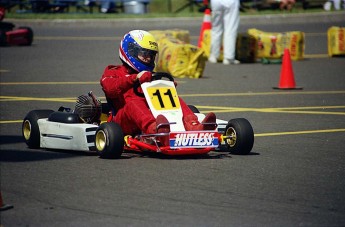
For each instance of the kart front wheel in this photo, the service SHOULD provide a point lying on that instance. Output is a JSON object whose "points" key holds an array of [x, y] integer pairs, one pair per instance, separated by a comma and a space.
{"points": [[109, 140], [30, 129], [239, 136]]}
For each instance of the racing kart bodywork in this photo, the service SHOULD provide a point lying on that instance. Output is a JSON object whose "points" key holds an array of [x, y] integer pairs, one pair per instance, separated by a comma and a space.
{"points": [[58, 130], [10, 35], [64, 130]]}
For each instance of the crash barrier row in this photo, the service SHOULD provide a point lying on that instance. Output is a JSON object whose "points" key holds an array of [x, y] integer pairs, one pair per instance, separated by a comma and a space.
{"points": [[87, 6], [256, 45], [259, 44], [182, 59]]}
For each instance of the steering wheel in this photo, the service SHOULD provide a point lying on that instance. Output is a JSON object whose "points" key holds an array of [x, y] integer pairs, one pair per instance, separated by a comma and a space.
{"points": [[160, 75], [155, 76]]}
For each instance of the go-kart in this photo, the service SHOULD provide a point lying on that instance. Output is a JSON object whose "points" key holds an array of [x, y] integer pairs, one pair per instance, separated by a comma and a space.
{"points": [[9, 35], [64, 130]]}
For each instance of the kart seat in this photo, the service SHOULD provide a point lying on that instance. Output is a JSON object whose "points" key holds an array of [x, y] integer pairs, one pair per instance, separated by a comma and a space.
{"points": [[64, 117], [111, 108]]}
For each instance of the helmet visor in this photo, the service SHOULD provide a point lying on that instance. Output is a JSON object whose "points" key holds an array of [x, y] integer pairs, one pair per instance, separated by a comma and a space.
{"points": [[145, 56]]}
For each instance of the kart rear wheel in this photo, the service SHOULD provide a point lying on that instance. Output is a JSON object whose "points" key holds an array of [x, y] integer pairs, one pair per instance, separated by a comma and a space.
{"points": [[30, 129], [109, 140], [241, 136], [3, 38]]}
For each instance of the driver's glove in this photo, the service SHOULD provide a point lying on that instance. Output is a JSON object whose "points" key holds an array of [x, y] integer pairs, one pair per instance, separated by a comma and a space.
{"points": [[144, 76]]}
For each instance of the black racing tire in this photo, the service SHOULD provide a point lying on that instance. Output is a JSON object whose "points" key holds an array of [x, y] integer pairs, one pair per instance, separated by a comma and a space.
{"points": [[3, 38], [29, 36], [30, 129], [242, 136], [109, 140], [6, 26], [194, 109]]}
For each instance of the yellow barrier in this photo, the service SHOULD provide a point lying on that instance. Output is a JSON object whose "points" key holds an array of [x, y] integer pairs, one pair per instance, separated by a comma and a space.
{"points": [[336, 41], [177, 57], [271, 45]]}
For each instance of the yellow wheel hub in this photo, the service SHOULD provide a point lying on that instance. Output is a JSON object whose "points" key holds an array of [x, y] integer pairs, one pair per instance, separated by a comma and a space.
{"points": [[101, 140], [27, 130], [232, 137]]}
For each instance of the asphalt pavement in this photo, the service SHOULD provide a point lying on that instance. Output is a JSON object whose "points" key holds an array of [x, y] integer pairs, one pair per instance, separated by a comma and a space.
{"points": [[294, 175]]}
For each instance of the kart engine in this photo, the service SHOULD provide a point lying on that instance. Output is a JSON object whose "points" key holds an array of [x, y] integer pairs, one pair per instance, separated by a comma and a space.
{"points": [[89, 108]]}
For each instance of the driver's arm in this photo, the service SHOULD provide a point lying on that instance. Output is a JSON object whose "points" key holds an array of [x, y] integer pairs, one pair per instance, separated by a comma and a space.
{"points": [[116, 81]]}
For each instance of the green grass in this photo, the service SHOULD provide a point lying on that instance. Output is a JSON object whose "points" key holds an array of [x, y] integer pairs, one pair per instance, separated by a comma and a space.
{"points": [[157, 8]]}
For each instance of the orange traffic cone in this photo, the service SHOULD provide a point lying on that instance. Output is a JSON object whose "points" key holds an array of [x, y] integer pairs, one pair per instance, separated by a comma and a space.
{"points": [[4, 206], [206, 25], [287, 79]]}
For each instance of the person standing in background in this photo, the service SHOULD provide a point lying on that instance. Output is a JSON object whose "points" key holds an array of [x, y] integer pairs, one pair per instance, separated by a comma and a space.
{"points": [[287, 4], [225, 22]]}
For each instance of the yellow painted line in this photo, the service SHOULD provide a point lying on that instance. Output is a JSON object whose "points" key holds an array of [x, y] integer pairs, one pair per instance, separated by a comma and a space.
{"points": [[215, 109], [300, 132], [316, 56], [307, 34], [271, 108], [75, 38], [310, 112], [58, 83], [48, 83], [311, 107], [4, 71], [256, 134], [316, 34], [119, 38], [14, 98], [276, 111], [264, 93], [10, 122], [296, 110], [99, 38]]}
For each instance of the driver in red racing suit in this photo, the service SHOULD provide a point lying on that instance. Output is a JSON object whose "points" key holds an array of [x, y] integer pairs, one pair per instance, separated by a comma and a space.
{"points": [[137, 52]]}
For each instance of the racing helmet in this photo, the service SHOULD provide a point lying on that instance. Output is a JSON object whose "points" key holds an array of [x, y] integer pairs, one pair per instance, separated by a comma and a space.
{"points": [[89, 108], [138, 49]]}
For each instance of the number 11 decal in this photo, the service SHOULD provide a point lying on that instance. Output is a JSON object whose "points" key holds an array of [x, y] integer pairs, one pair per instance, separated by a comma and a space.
{"points": [[164, 98]]}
